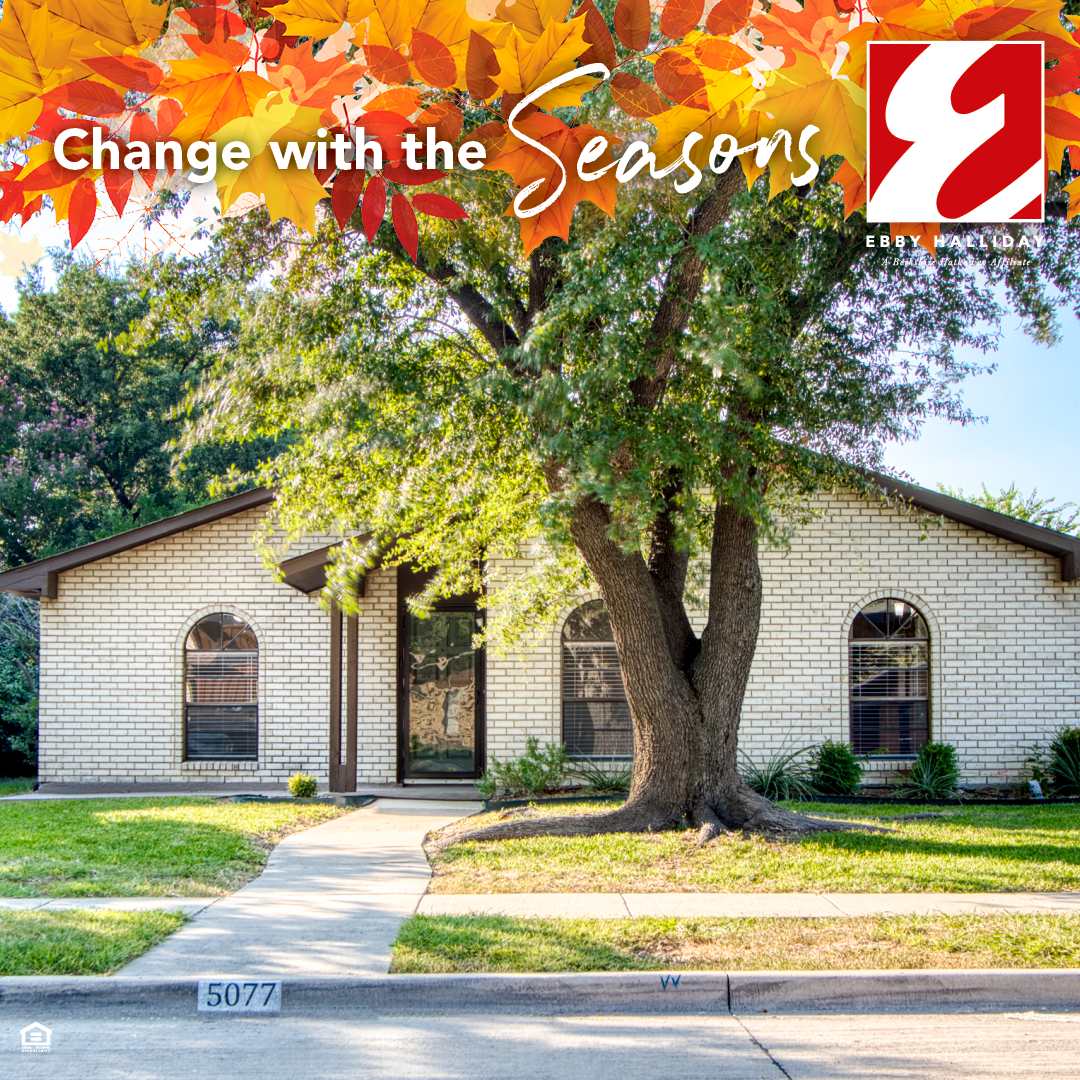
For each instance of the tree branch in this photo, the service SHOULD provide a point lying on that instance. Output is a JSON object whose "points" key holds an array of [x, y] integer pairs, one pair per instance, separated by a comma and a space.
{"points": [[682, 287], [668, 565]]}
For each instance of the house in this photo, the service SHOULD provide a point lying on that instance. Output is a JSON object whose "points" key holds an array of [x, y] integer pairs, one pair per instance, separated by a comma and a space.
{"points": [[170, 655]]}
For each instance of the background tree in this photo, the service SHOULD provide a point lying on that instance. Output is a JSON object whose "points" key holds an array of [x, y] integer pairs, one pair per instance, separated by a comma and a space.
{"points": [[1064, 517]]}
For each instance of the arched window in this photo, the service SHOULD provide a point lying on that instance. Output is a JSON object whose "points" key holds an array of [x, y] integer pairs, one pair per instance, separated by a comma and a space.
{"points": [[889, 678], [595, 713], [221, 690]]}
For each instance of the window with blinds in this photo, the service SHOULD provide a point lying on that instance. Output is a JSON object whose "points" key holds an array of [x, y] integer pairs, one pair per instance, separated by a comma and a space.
{"points": [[595, 713], [889, 679], [221, 691]]}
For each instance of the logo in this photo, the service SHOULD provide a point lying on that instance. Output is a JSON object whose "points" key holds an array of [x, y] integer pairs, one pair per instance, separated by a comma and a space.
{"points": [[955, 131], [36, 1039]]}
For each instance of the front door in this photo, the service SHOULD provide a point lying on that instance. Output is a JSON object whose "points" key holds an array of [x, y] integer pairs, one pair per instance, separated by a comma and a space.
{"points": [[442, 692]]}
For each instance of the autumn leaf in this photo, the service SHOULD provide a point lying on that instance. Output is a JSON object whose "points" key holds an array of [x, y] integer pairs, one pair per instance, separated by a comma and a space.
{"points": [[387, 64], [720, 55], [526, 164], [445, 117], [925, 231], [601, 48], [213, 94], [374, 209], [728, 17], [130, 72], [81, 209], [311, 81], [633, 23], [433, 61], [439, 206], [680, 16], [316, 19], [345, 197], [677, 76], [86, 98], [403, 100], [525, 65], [481, 66], [401, 212], [854, 187], [634, 97]]}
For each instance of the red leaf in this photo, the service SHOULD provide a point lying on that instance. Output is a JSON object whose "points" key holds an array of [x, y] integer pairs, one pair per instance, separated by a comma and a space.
{"points": [[346, 194], [1061, 124], [728, 16], [275, 41], [405, 224], [601, 48], [634, 97], [680, 16], [213, 22], [445, 117], [118, 182], [480, 66], [433, 61], [81, 209], [87, 98], [169, 115], [128, 71], [633, 23], [1062, 78], [438, 206], [374, 208], [387, 65], [678, 76], [986, 23], [401, 174]]}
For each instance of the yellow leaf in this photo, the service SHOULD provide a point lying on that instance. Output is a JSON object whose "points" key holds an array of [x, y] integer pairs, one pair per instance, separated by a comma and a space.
{"points": [[316, 19], [1074, 198], [524, 64]]}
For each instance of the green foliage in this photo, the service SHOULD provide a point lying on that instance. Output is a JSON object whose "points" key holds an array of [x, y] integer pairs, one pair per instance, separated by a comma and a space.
{"points": [[934, 775], [18, 684], [80, 942], [782, 775], [834, 768], [533, 773], [1064, 762], [1064, 517], [601, 779], [303, 785]]}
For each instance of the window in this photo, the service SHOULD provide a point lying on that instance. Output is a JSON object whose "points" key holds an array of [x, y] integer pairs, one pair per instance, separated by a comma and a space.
{"points": [[221, 691], [889, 679], [595, 713]]}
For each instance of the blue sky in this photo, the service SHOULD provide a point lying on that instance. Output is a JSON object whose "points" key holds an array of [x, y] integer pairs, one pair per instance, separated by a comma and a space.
{"points": [[1031, 433]]}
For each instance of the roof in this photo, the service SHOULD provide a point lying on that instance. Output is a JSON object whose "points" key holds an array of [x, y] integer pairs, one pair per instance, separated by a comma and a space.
{"points": [[38, 579], [306, 572]]}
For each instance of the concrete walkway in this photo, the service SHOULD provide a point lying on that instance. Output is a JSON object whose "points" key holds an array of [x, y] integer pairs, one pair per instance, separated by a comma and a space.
{"points": [[329, 902], [746, 905]]}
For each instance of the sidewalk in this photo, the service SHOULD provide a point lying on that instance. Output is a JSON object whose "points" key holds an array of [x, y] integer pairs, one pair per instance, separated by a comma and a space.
{"points": [[329, 902]]}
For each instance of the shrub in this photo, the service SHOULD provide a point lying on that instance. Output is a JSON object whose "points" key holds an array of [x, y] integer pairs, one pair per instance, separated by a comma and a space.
{"points": [[1064, 762], [834, 768], [531, 774], [602, 781], [781, 776], [934, 775], [303, 785]]}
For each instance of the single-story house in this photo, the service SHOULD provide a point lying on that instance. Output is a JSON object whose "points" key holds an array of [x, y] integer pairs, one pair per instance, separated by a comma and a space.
{"points": [[170, 654]]}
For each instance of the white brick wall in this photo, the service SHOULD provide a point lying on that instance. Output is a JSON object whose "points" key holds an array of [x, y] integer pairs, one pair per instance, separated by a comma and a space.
{"points": [[1005, 651]]}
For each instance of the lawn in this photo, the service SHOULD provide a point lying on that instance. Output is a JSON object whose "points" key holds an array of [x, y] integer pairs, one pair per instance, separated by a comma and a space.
{"points": [[142, 847], [472, 943], [79, 942], [966, 849], [16, 786]]}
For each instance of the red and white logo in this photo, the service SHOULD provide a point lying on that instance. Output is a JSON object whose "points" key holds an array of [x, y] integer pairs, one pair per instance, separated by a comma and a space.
{"points": [[955, 131]]}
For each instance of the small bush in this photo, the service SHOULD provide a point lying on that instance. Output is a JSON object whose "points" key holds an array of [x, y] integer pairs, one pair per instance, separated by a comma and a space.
{"points": [[834, 768], [934, 775], [603, 781], [531, 774], [1064, 762], [303, 785], [780, 777]]}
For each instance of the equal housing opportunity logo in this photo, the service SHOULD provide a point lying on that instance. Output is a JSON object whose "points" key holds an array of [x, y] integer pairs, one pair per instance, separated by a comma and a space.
{"points": [[36, 1038], [955, 131]]}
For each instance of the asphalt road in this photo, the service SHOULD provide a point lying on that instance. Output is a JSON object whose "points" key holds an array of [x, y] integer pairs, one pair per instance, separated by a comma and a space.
{"points": [[512, 1047]]}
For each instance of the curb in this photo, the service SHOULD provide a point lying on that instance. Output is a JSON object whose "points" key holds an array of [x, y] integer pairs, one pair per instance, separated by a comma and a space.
{"points": [[633, 993]]}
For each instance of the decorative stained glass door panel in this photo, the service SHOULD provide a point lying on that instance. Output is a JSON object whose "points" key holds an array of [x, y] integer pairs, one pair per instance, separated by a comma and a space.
{"points": [[441, 712]]}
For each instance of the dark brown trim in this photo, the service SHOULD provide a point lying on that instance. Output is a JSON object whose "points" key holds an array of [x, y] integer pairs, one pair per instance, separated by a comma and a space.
{"points": [[335, 699], [39, 579], [352, 658], [1050, 542], [307, 573]]}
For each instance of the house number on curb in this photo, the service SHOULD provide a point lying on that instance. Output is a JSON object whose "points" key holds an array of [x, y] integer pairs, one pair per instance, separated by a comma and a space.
{"points": [[240, 997]]}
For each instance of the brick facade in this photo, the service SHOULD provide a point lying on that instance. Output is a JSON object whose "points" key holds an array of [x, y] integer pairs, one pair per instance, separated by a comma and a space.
{"points": [[1005, 651]]}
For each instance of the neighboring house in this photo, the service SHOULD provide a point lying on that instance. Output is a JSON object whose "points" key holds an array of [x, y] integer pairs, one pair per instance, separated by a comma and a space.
{"points": [[170, 654]]}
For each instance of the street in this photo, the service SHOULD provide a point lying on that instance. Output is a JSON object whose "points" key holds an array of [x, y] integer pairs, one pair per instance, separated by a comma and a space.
{"points": [[515, 1047]]}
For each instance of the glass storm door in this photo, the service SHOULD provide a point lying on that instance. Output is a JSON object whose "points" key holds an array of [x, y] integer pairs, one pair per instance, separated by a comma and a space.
{"points": [[442, 708]]}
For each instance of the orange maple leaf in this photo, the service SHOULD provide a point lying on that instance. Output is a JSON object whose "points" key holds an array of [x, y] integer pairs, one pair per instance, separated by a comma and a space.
{"points": [[548, 168]]}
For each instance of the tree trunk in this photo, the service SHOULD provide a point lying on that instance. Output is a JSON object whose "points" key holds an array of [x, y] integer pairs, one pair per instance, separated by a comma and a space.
{"points": [[685, 696]]}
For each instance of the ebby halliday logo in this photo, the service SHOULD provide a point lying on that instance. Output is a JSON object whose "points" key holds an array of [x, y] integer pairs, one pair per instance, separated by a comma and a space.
{"points": [[955, 131]]}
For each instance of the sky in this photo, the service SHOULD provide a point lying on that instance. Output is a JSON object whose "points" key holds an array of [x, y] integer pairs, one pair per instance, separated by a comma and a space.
{"points": [[1030, 404]]}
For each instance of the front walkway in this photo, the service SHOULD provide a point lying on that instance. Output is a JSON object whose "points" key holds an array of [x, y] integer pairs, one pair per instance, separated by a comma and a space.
{"points": [[329, 902]]}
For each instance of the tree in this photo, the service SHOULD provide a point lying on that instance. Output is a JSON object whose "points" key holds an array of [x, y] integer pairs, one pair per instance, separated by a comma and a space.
{"points": [[1031, 507], [18, 685], [87, 413], [633, 376]]}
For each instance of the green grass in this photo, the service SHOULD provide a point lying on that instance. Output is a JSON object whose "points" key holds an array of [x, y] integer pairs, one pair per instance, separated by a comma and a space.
{"points": [[16, 786], [476, 943], [79, 942], [968, 849], [141, 847]]}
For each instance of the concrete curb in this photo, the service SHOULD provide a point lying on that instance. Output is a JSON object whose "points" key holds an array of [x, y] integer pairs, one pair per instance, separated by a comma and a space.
{"points": [[632, 993]]}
